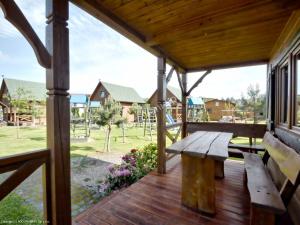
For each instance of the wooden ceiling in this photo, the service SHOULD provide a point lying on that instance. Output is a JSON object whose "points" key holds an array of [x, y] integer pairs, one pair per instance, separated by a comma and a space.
{"points": [[198, 34]]}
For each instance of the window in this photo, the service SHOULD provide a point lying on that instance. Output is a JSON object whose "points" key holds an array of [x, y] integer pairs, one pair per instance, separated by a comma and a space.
{"points": [[284, 78], [217, 104], [102, 94], [298, 91]]}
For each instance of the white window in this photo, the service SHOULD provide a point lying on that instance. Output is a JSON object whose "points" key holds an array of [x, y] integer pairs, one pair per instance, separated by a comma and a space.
{"points": [[217, 104]]}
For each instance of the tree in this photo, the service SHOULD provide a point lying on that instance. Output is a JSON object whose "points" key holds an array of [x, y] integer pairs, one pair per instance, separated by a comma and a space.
{"points": [[20, 103], [110, 114], [255, 102]]}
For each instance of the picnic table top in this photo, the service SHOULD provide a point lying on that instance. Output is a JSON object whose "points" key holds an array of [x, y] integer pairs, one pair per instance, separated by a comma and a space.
{"points": [[203, 144]]}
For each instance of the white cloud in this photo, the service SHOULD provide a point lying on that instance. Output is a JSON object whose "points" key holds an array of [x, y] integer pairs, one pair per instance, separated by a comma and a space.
{"points": [[98, 52]]}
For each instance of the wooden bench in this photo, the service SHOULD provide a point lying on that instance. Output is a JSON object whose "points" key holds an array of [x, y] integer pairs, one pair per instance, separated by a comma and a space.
{"points": [[266, 200], [203, 154]]}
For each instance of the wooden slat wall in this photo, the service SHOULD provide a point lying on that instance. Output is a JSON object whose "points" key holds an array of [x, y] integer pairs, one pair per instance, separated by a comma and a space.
{"points": [[238, 130]]}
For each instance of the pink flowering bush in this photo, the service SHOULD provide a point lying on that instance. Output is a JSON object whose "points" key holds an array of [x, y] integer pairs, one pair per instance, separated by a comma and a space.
{"points": [[134, 166]]}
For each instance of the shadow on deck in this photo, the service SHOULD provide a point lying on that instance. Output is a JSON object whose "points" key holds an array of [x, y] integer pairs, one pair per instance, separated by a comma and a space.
{"points": [[156, 199]]}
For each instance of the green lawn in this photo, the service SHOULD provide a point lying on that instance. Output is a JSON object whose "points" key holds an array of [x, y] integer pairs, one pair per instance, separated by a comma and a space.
{"points": [[35, 138]]}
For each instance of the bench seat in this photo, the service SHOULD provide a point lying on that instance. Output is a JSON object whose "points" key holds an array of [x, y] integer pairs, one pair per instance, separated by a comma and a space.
{"points": [[263, 192], [249, 148]]}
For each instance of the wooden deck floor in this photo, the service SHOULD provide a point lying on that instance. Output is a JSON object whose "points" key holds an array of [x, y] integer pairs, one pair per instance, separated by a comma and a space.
{"points": [[155, 199]]}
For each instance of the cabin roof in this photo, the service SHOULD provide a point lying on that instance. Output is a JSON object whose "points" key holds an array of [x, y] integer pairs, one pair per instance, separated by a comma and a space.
{"points": [[122, 93], [175, 91], [199, 35], [37, 90]]}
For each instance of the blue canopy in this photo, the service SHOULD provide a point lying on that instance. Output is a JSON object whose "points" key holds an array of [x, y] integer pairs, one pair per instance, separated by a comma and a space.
{"points": [[195, 101], [79, 99]]}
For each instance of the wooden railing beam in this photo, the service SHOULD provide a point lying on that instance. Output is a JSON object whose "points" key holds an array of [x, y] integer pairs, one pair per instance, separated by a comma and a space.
{"points": [[19, 176]]}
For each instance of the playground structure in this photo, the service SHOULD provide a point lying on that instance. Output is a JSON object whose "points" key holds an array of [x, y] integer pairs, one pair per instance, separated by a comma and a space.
{"points": [[196, 111], [83, 115]]}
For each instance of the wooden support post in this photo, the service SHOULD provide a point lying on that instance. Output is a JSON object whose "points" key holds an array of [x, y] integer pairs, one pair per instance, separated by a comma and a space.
{"points": [[58, 109], [184, 107], [161, 114], [198, 183]]}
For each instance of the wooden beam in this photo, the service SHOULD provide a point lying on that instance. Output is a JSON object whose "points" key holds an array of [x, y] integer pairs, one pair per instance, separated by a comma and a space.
{"points": [[58, 109], [198, 82], [161, 114], [170, 126], [14, 15], [180, 82], [228, 65], [170, 74], [184, 107], [19, 176]]}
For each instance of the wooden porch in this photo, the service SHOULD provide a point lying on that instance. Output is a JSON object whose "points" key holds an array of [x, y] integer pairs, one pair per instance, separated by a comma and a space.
{"points": [[155, 199]]}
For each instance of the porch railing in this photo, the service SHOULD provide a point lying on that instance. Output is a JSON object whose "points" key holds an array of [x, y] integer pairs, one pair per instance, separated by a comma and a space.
{"points": [[23, 165]]}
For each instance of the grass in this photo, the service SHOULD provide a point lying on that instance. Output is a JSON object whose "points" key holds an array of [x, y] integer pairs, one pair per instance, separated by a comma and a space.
{"points": [[14, 210], [35, 138]]}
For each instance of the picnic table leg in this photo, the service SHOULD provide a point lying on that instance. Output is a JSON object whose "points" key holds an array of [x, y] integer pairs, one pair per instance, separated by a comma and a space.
{"points": [[198, 183], [219, 169]]}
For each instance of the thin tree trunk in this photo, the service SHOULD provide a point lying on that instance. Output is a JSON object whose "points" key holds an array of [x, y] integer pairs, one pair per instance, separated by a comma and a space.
{"points": [[108, 138], [18, 127]]}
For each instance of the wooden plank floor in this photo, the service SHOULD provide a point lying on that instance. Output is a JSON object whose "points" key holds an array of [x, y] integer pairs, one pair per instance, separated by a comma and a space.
{"points": [[155, 199]]}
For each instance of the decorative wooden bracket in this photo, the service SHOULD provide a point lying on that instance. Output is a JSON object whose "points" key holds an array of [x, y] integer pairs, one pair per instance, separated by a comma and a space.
{"points": [[198, 82], [15, 16], [170, 74], [180, 82]]}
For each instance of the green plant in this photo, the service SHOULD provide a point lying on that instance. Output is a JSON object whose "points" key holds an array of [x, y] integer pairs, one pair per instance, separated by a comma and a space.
{"points": [[134, 166], [14, 209], [110, 114]]}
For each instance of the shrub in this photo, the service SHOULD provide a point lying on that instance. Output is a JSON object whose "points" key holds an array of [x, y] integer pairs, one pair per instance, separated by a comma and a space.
{"points": [[134, 166]]}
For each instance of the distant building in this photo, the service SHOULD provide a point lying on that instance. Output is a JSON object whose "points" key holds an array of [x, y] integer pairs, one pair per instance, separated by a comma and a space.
{"points": [[125, 95], [216, 108], [36, 92]]}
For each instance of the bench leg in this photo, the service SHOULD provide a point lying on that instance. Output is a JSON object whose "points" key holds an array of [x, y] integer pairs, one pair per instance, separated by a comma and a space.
{"points": [[219, 169], [198, 183], [261, 217]]}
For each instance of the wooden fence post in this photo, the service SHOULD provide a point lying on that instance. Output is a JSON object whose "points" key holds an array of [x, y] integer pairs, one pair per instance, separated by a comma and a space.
{"points": [[184, 107], [161, 114], [58, 109]]}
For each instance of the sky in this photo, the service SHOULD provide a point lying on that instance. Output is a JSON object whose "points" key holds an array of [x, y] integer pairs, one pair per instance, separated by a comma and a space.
{"points": [[97, 52]]}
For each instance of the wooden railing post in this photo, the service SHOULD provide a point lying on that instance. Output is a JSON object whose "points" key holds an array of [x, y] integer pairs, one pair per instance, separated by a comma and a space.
{"points": [[58, 109], [161, 114], [184, 107]]}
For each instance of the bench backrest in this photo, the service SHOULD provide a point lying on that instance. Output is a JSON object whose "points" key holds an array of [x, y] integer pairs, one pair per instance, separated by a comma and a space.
{"points": [[287, 159], [283, 164]]}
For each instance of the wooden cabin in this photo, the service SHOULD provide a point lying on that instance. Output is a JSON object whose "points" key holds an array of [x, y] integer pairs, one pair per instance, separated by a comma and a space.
{"points": [[173, 101], [35, 91], [125, 95], [190, 36], [215, 108]]}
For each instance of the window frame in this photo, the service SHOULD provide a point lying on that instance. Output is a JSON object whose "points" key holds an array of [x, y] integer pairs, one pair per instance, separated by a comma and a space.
{"points": [[280, 94], [295, 77]]}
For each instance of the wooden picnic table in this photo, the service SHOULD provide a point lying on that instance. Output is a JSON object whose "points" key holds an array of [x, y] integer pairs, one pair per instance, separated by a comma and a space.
{"points": [[203, 154]]}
